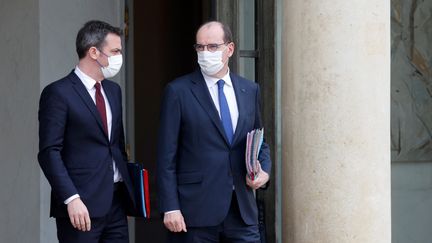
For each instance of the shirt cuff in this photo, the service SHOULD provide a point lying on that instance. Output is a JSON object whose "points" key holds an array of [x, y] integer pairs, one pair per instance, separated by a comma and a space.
{"points": [[172, 211], [67, 201]]}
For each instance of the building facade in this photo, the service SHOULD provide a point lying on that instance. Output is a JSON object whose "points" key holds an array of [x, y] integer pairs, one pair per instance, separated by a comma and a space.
{"points": [[346, 107]]}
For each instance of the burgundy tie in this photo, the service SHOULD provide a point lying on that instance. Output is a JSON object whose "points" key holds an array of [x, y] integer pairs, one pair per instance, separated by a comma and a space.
{"points": [[100, 105]]}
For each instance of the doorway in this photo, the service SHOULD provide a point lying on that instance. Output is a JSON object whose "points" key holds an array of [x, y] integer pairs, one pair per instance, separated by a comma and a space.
{"points": [[163, 35], [162, 49]]}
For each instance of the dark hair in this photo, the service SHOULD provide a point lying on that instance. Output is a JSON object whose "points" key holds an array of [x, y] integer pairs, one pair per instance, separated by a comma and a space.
{"points": [[228, 37], [93, 33]]}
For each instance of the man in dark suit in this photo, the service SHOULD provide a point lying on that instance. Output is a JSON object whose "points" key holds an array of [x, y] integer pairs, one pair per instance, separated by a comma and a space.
{"points": [[81, 142], [204, 192]]}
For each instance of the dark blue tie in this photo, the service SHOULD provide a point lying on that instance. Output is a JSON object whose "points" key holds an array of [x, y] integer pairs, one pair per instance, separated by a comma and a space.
{"points": [[225, 112]]}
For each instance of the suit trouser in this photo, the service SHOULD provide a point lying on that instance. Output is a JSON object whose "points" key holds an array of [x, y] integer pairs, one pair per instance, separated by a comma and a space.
{"points": [[113, 228], [231, 230]]}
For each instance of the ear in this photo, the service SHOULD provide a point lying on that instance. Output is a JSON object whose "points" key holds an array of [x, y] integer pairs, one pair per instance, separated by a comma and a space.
{"points": [[231, 48], [93, 52]]}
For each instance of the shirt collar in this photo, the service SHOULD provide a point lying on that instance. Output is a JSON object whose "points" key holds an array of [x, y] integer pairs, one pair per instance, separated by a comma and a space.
{"points": [[88, 82], [212, 81]]}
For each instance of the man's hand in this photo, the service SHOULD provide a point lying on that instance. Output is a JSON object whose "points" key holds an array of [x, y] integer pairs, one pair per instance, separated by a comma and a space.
{"points": [[78, 215], [260, 180], [174, 221]]}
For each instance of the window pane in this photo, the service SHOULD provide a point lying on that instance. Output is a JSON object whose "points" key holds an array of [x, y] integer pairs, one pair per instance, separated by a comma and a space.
{"points": [[247, 24], [247, 37], [247, 68]]}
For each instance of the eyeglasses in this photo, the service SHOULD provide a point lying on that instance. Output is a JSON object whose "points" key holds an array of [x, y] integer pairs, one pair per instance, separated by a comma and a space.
{"points": [[210, 47]]}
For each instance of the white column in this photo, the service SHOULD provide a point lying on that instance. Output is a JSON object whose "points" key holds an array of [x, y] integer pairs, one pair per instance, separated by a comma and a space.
{"points": [[336, 121]]}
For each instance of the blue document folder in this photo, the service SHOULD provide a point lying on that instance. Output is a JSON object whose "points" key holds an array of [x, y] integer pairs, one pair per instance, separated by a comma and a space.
{"points": [[139, 177]]}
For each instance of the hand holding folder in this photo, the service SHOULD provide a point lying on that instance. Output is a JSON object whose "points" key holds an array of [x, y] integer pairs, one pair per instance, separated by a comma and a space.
{"points": [[254, 141]]}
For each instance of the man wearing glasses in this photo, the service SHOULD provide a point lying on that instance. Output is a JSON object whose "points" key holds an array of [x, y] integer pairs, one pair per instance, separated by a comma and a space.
{"points": [[204, 192]]}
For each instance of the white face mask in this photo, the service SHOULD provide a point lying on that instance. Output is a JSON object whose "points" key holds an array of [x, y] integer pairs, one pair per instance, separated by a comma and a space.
{"points": [[114, 66], [210, 62]]}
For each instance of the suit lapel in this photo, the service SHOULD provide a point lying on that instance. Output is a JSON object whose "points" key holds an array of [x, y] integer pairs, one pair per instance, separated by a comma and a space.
{"points": [[241, 98], [109, 92], [85, 96], [202, 94]]}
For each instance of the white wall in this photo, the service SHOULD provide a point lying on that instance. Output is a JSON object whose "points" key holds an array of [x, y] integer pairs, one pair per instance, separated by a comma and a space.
{"points": [[38, 47], [19, 91]]}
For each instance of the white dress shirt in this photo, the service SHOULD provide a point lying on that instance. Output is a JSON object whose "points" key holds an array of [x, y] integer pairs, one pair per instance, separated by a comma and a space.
{"points": [[89, 83], [229, 95]]}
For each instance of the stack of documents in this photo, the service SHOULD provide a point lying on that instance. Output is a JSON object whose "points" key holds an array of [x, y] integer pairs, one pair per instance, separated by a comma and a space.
{"points": [[139, 177], [254, 141]]}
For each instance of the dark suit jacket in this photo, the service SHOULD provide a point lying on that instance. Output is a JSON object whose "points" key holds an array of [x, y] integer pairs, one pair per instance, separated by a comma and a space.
{"points": [[197, 167], [74, 151]]}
